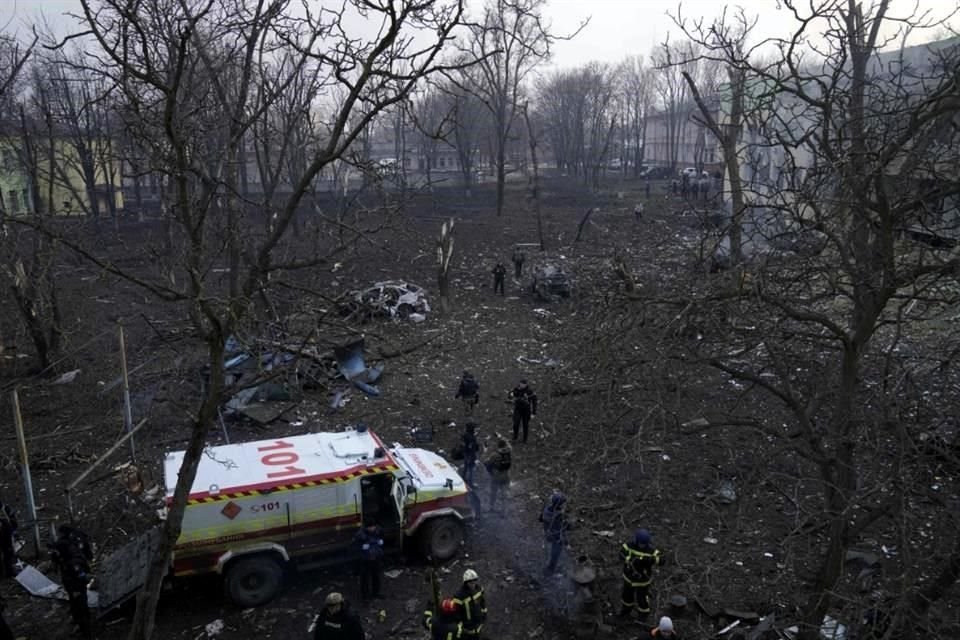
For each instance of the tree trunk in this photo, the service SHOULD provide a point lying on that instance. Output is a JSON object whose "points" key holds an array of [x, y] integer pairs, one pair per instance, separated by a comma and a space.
{"points": [[501, 173], [144, 618]]}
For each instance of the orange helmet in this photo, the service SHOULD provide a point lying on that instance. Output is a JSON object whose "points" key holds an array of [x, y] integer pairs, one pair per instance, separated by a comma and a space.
{"points": [[448, 606]]}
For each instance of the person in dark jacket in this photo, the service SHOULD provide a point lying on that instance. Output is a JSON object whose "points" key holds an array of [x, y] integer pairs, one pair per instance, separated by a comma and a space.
{"points": [[518, 259], [639, 558], [469, 391], [555, 528], [8, 527], [5, 632], [499, 274], [72, 553], [498, 466], [471, 451], [471, 605], [524, 407], [337, 621], [369, 542], [444, 626]]}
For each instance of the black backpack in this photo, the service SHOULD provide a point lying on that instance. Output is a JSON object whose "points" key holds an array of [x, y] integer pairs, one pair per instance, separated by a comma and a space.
{"points": [[469, 387], [503, 464]]}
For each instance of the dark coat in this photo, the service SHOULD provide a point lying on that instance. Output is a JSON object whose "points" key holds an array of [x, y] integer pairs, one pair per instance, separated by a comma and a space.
{"points": [[524, 400], [342, 625]]}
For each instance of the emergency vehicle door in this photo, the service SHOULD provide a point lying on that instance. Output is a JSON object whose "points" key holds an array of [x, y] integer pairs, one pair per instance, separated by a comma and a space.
{"points": [[379, 504]]}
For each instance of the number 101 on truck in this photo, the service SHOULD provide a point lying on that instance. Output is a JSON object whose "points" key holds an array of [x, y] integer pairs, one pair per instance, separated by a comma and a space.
{"points": [[256, 508]]}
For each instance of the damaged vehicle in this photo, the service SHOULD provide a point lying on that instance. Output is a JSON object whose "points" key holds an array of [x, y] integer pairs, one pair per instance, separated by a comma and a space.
{"points": [[550, 281], [389, 299]]}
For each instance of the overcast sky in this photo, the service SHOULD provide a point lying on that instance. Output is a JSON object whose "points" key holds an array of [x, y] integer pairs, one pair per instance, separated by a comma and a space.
{"points": [[617, 28]]}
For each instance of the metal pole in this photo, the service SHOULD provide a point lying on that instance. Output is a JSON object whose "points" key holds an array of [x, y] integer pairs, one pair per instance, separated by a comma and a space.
{"points": [[27, 482], [127, 412]]}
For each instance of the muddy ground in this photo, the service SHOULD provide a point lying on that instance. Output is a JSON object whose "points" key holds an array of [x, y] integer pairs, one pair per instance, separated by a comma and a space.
{"points": [[626, 445]]}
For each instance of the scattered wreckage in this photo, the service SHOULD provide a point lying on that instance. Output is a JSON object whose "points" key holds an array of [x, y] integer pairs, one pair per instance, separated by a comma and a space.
{"points": [[550, 281], [395, 299]]}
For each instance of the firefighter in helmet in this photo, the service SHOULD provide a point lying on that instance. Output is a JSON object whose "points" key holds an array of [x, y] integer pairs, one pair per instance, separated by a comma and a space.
{"points": [[639, 558], [471, 605], [337, 621], [445, 625]]}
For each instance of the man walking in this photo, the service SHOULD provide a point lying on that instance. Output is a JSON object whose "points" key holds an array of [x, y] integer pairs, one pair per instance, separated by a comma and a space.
{"points": [[468, 391], [337, 621], [638, 211], [518, 260], [369, 541], [499, 274], [8, 527], [555, 528], [72, 554], [639, 558], [498, 466], [471, 605], [524, 407]]}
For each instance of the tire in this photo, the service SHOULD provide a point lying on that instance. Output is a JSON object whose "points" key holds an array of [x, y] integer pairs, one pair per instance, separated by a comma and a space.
{"points": [[440, 538], [253, 581], [404, 311]]}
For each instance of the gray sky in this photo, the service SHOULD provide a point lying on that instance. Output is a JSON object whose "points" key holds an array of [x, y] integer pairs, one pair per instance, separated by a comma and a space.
{"points": [[617, 28]]}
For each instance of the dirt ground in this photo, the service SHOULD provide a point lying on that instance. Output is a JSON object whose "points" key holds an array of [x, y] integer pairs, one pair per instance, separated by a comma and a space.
{"points": [[628, 454]]}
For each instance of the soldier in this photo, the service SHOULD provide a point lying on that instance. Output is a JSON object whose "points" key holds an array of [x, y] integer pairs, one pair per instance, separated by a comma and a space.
{"points": [[518, 260], [8, 527], [337, 621], [471, 605], [498, 466], [444, 626], [555, 528], [639, 558], [468, 391], [499, 274], [72, 553], [524, 407], [369, 542]]}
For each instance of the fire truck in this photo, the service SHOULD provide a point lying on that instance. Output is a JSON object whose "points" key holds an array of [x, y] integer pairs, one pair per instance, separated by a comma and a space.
{"points": [[256, 508]]}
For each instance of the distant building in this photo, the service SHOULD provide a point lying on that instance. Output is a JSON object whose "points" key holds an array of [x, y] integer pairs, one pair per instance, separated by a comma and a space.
{"points": [[57, 187], [679, 140]]}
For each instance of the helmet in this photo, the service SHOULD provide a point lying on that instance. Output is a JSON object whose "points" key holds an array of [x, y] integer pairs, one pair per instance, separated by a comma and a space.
{"points": [[448, 606], [642, 537], [469, 575], [334, 598]]}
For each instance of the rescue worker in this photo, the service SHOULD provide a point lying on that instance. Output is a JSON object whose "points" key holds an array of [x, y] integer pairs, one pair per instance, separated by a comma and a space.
{"points": [[72, 553], [499, 274], [638, 211], [555, 528], [518, 260], [498, 466], [471, 450], [646, 188], [445, 625], [369, 542], [524, 407], [337, 621], [664, 629], [5, 632], [468, 391], [639, 558], [471, 605], [8, 527]]}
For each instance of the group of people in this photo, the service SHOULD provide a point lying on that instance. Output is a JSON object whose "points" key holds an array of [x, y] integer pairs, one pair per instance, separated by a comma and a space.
{"points": [[500, 271], [71, 552]]}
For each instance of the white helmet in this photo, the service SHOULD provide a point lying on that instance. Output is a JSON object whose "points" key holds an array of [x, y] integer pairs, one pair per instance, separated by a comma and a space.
{"points": [[469, 575]]}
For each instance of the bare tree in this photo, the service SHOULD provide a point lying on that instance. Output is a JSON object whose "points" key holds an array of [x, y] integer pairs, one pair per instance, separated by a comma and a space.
{"points": [[636, 98], [196, 78], [510, 42], [848, 159]]}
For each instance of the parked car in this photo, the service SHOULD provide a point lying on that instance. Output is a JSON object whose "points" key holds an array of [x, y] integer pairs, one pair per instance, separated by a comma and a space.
{"points": [[656, 173]]}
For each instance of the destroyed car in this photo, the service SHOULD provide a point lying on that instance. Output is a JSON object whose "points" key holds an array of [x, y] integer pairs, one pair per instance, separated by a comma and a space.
{"points": [[550, 281], [389, 299]]}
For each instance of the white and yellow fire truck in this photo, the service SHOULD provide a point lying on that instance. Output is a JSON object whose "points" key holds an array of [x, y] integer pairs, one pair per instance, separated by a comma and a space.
{"points": [[257, 507]]}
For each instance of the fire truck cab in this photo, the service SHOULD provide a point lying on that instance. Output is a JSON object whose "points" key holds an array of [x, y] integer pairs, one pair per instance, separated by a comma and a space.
{"points": [[256, 508]]}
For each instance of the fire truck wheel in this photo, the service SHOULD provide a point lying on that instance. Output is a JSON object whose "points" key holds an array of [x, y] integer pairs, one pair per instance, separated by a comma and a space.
{"points": [[441, 538], [254, 580]]}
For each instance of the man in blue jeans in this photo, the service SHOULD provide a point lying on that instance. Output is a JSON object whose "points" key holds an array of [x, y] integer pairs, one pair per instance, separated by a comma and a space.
{"points": [[369, 542], [555, 528]]}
